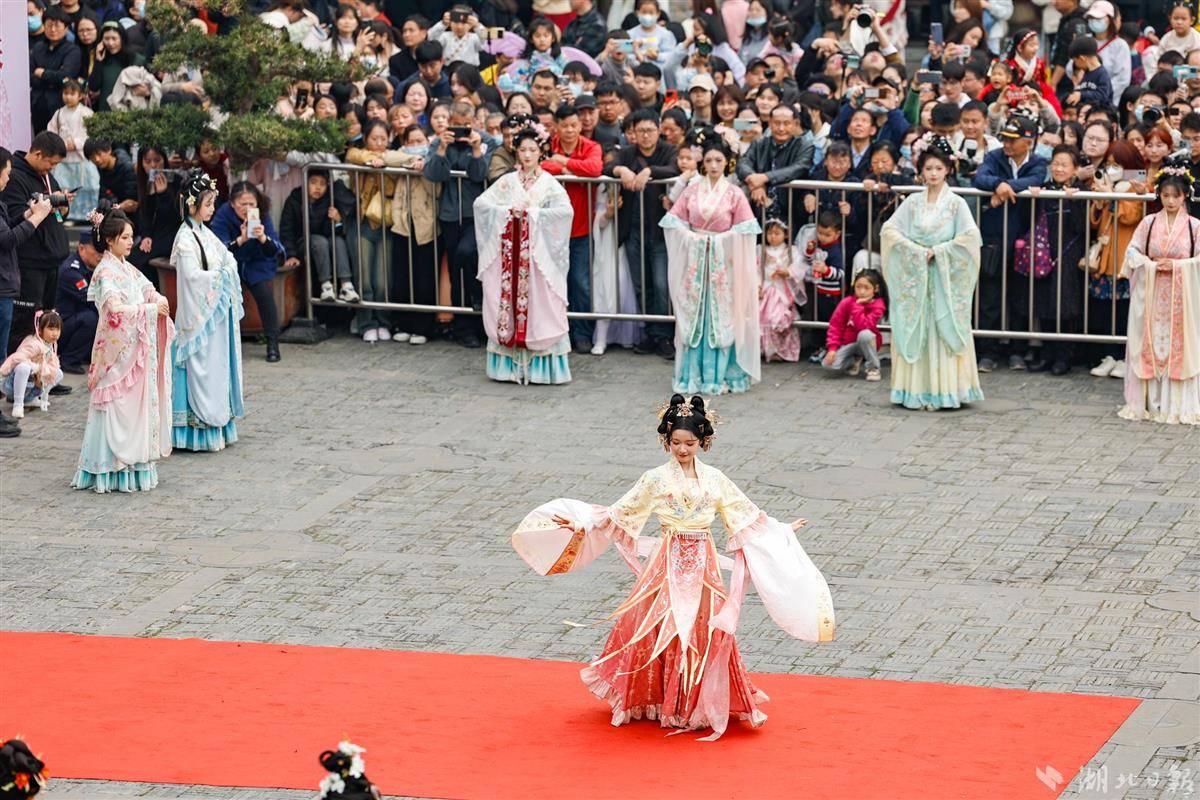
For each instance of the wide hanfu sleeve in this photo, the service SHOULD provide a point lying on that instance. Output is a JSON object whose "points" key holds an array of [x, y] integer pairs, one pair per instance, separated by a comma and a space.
{"points": [[551, 548], [767, 551]]}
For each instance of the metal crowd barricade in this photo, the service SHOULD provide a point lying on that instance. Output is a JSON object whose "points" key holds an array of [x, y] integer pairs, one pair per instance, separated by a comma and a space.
{"points": [[979, 202]]}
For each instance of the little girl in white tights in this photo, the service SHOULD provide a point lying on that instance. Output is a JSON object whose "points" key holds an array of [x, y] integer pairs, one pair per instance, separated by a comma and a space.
{"points": [[33, 370]]}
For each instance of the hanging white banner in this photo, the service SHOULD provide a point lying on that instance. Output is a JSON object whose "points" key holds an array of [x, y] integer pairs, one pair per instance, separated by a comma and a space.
{"points": [[15, 124]]}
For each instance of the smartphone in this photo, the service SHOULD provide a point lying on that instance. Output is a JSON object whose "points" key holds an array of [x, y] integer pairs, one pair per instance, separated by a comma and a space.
{"points": [[301, 98], [1134, 175], [460, 133], [494, 33], [744, 124], [625, 46], [963, 53], [152, 174], [253, 223], [1184, 72], [853, 61], [935, 33], [929, 76], [870, 94], [458, 16], [670, 98]]}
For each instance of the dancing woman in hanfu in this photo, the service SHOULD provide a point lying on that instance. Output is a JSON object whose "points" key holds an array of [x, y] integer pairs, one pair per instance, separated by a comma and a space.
{"points": [[672, 654]]}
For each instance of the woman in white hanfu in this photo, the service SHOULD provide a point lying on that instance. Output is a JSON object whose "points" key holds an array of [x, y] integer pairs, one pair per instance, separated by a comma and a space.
{"points": [[207, 381], [672, 654], [523, 228], [1162, 377]]}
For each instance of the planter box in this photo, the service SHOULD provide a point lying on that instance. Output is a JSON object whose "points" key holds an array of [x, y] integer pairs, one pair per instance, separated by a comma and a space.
{"points": [[289, 294]]}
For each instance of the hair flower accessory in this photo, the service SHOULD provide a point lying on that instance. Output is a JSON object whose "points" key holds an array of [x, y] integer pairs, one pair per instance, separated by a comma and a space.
{"points": [[347, 772]]}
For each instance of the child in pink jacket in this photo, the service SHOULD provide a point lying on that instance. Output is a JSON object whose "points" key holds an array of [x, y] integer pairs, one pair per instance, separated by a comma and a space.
{"points": [[853, 334], [33, 370]]}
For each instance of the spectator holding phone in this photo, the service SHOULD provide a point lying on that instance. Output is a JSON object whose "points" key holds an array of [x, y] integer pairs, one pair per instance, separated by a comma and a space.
{"points": [[118, 184], [460, 35], [652, 43], [460, 149], [243, 224]]}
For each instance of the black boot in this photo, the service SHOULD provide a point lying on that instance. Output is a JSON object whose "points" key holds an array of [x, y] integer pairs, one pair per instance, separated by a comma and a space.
{"points": [[272, 347]]}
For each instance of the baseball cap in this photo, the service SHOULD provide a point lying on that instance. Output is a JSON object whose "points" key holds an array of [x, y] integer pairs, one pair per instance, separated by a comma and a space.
{"points": [[702, 80], [585, 101], [1100, 9], [1018, 126]]}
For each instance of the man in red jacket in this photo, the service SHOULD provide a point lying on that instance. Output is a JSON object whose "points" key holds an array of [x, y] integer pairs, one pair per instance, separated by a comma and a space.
{"points": [[571, 154]]}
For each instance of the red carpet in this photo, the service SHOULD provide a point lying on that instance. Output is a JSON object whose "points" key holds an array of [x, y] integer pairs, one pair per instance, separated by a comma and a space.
{"points": [[447, 726]]}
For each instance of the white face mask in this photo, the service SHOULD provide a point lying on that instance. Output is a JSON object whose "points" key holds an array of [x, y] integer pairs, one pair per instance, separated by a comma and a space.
{"points": [[647, 20], [1113, 173], [756, 22], [1098, 25]]}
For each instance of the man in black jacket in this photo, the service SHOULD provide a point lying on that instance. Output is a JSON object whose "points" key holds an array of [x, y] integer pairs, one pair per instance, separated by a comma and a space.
{"points": [[775, 160], [11, 237], [587, 31], [118, 183], [40, 254], [637, 225], [51, 60]]}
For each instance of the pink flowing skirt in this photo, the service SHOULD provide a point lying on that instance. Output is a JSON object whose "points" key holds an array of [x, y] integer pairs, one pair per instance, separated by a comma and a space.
{"points": [[646, 670]]}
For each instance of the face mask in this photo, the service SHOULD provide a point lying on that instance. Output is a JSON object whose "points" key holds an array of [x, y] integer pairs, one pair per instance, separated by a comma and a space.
{"points": [[756, 22], [1043, 151], [906, 151], [368, 61], [1098, 25], [35, 22], [1113, 173], [576, 89], [647, 20], [416, 149], [140, 8]]}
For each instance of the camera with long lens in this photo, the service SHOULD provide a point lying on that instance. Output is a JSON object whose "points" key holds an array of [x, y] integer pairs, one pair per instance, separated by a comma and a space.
{"points": [[865, 17], [55, 198], [1152, 115]]}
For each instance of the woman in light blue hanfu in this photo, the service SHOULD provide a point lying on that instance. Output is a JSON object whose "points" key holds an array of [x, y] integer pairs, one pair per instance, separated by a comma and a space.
{"points": [[207, 381], [713, 277], [930, 250]]}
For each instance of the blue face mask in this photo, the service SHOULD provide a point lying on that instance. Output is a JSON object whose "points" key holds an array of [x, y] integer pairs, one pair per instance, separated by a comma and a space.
{"points": [[906, 151], [756, 22], [35, 22], [1044, 150], [416, 149], [647, 20], [576, 89], [1098, 25]]}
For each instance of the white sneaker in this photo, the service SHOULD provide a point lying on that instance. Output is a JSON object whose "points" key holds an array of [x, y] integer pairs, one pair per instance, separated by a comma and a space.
{"points": [[327, 291], [383, 333], [873, 375], [371, 335], [1105, 367], [598, 349], [1118, 371], [401, 337], [347, 294], [18, 412], [417, 338]]}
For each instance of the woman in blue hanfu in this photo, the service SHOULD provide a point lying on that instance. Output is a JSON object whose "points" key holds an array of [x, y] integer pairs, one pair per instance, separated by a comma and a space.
{"points": [[207, 381], [713, 277], [930, 250]]}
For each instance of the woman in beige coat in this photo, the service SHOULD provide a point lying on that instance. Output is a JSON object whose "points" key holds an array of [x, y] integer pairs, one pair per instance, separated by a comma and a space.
{"points": [[413, 209]]}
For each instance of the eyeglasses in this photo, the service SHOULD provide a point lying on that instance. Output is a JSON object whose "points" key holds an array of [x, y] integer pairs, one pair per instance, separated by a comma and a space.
{"points": [[1096, 139], [645, 130]]}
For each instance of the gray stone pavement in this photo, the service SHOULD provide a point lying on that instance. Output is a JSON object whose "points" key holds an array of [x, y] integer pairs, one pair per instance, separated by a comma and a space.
{"points": [[1035, 541]]}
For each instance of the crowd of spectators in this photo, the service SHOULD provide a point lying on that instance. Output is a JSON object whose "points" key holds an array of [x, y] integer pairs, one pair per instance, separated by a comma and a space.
{"points": [[797, 89]]}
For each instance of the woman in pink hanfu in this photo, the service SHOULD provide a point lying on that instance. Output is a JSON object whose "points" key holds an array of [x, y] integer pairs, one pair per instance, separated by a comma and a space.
{"points": [[129, 411], [672, 653], [1162, 381], [712, 271]]}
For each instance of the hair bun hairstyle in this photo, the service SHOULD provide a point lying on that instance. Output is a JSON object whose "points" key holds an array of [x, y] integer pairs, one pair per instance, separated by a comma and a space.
{"points": [[687, 415], [107, 224]]}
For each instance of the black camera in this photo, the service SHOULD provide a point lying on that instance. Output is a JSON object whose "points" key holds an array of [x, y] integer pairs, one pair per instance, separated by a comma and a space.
{"points": [[1152, 115], [865, 17], [703, 46], [56, 199]]}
